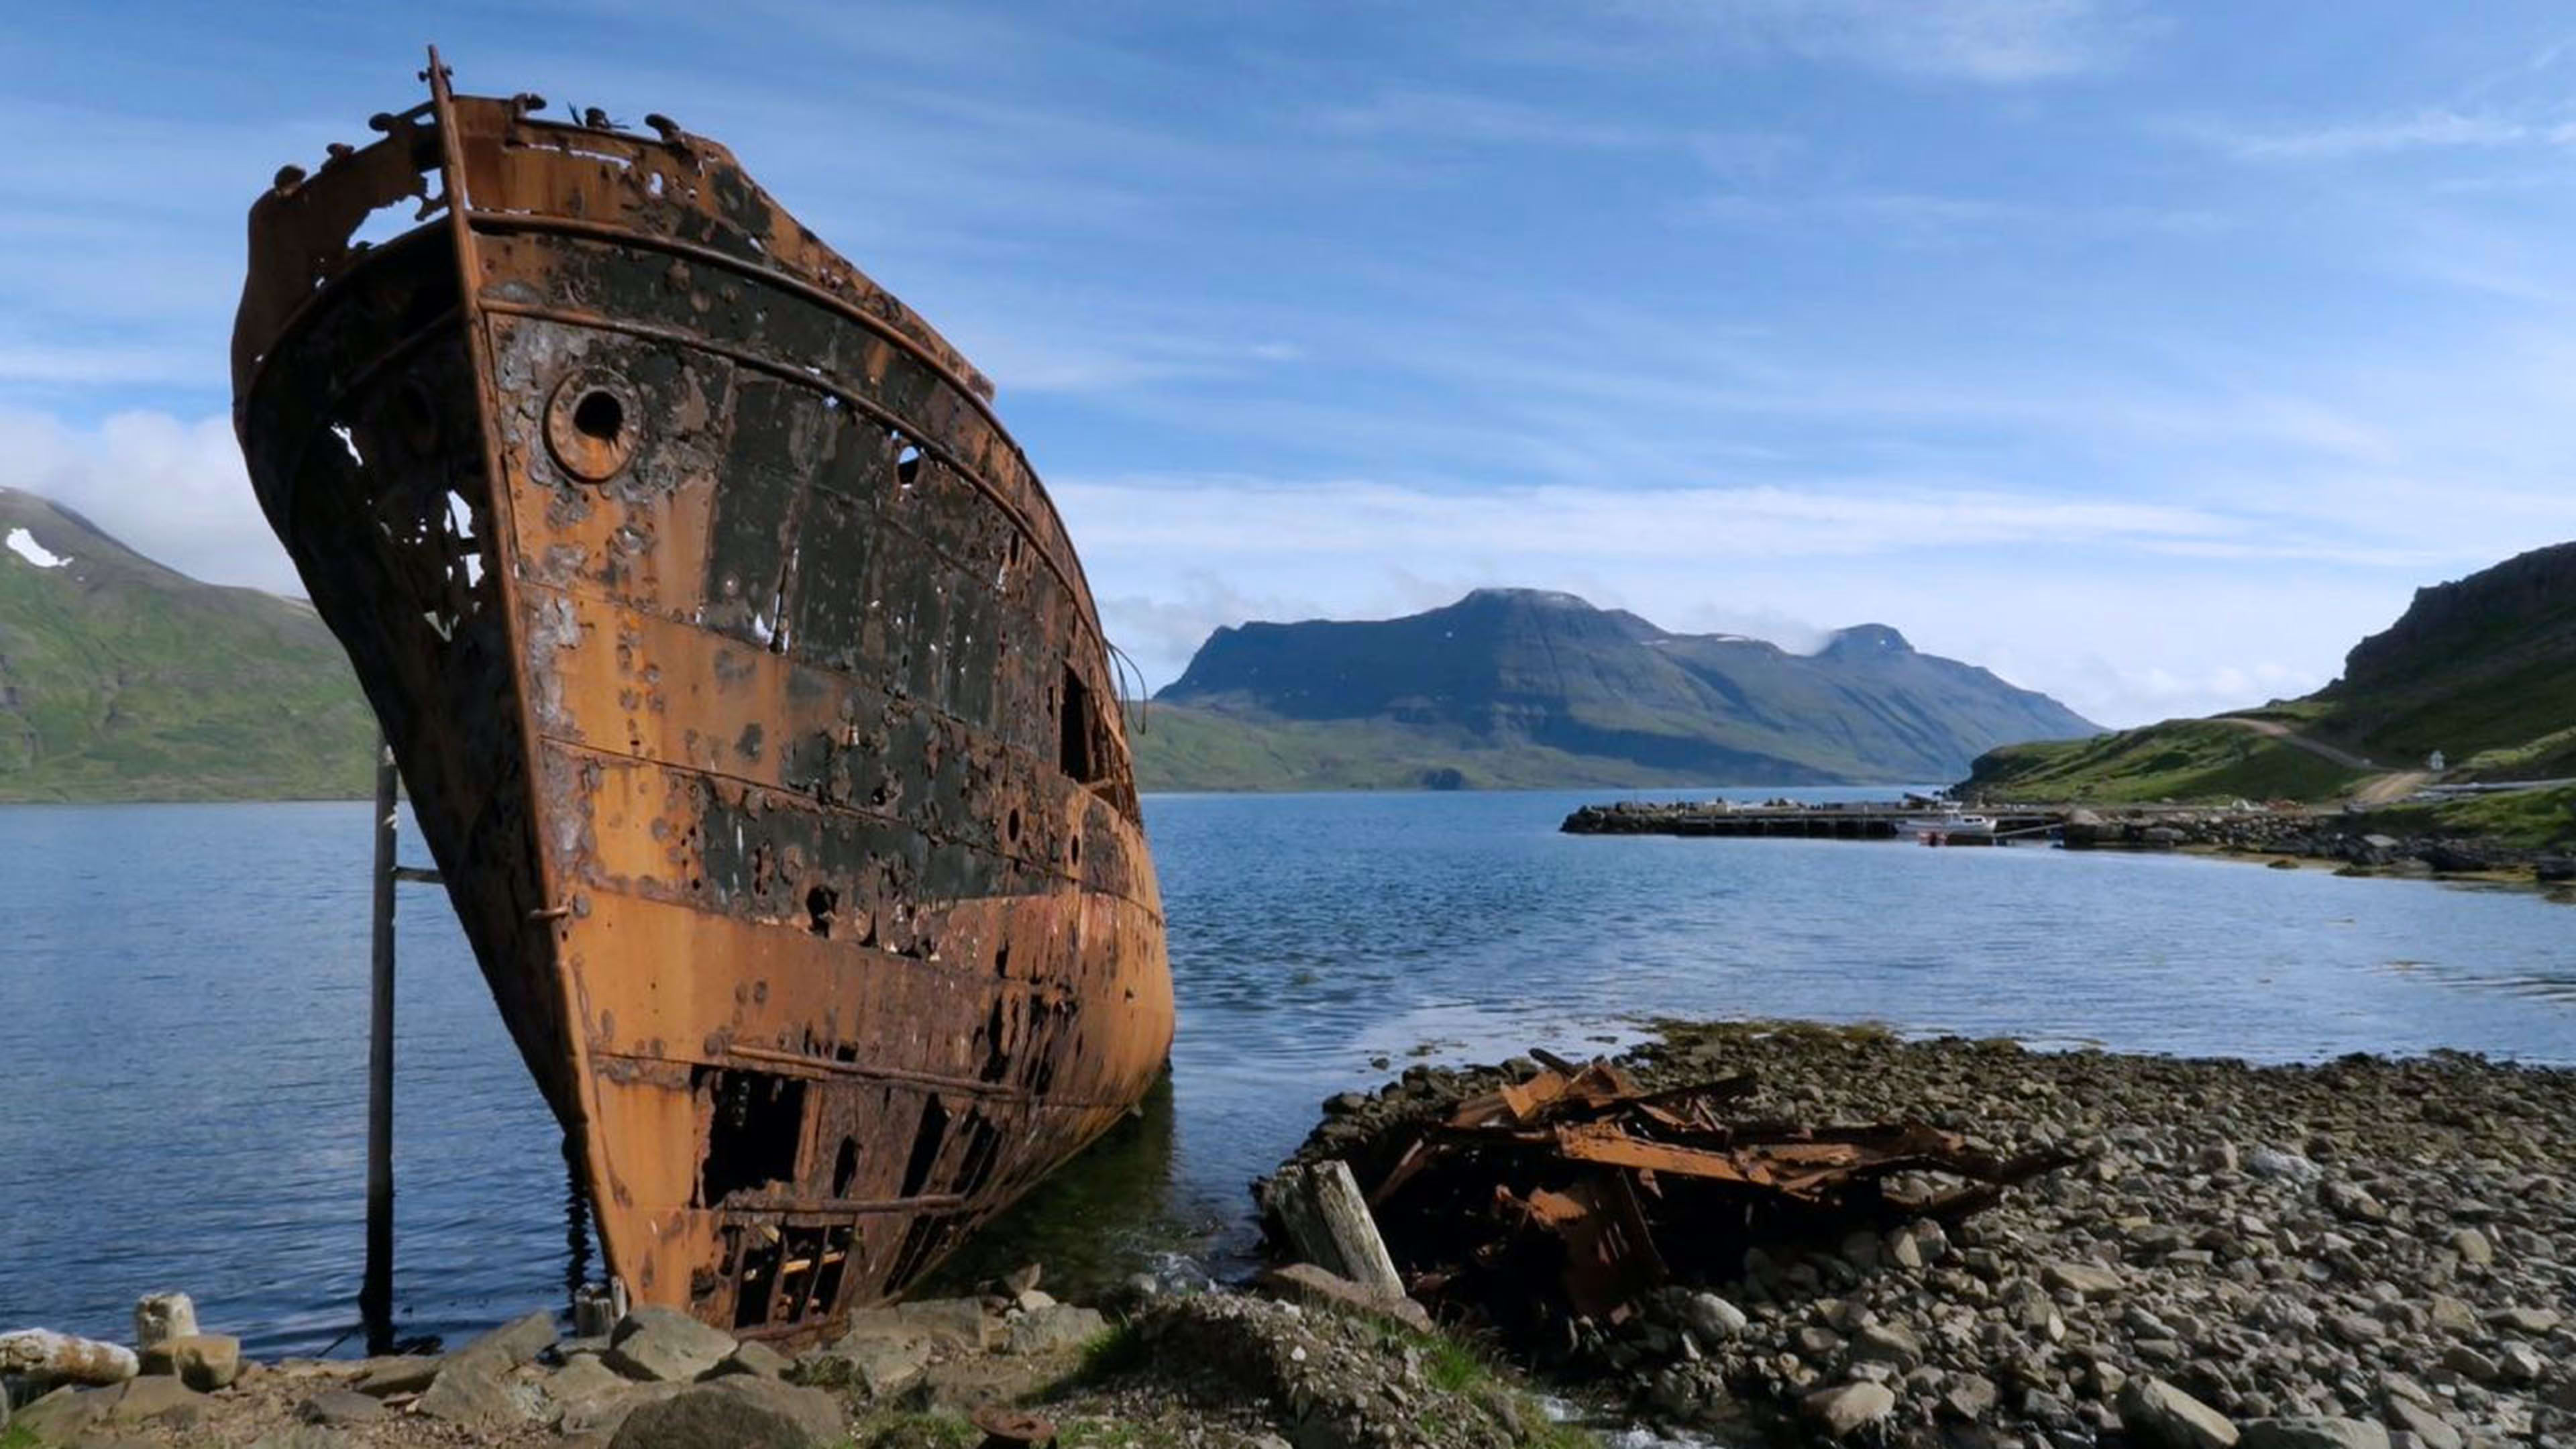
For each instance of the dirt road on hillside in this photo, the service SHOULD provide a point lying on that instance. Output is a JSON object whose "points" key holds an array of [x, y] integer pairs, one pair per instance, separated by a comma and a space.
{"points": [[2382, 789]]}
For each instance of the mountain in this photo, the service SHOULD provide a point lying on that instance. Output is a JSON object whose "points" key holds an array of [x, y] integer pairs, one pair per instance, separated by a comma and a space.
{"points": [[2482, 669], [124, 680], [1522, 687]]}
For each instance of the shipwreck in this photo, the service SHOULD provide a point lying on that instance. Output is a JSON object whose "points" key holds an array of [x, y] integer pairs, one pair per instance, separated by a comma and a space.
{"points": [[749, 693]]}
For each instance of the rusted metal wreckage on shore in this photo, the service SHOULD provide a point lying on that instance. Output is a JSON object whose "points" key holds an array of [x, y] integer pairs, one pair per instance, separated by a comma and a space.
{"points": [[1578, 1191], [749, 693]]}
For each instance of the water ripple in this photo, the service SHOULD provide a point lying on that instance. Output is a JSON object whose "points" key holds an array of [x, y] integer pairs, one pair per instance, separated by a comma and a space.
{"points": [[199, 1048]]}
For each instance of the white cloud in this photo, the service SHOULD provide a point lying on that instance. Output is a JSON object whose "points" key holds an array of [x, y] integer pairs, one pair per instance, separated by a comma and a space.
{"points": [[1449, 116], [1907, 215], [2126, 611], [172, 490], [1042, 359], [1995, 42], [60, 365], [1189, 517], [2434, 128]]}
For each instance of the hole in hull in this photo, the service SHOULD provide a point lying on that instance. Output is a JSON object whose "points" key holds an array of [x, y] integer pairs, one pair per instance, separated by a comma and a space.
{"points": [[1074, 753], [755, 1123], [759, 1278], [926, 1142], [997, 1060]]}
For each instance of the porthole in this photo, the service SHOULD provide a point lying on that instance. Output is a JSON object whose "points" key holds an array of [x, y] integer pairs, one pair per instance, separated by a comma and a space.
{"points": [[592, 424]]}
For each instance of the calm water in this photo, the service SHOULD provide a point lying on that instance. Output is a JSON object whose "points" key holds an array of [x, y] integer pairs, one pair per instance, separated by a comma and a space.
{"points": [[183, 1009]]}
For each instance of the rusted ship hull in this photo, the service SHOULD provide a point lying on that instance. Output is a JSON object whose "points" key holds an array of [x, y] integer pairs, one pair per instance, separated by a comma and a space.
{"points": [[750, 696]]}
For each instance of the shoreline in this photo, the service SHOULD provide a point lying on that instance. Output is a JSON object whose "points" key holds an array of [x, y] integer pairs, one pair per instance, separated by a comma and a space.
{"points": [[2383, 1245], [2279, 839], [1213, 1369], [2522, 881]]}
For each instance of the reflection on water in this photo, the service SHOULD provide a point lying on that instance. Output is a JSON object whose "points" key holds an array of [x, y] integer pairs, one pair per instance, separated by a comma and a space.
{"points": [[200, 1047]]}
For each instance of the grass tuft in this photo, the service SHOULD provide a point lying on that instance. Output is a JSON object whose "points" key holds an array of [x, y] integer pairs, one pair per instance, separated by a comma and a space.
{"points": [[1114, 1352], [904, 1429]]}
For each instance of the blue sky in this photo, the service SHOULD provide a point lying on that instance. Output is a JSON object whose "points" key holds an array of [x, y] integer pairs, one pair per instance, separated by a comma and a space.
{"points": [[2149, 354]]}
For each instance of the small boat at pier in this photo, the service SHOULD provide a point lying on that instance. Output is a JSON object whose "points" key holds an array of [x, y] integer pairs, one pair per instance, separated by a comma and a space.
{"points": [[1949, 828]]}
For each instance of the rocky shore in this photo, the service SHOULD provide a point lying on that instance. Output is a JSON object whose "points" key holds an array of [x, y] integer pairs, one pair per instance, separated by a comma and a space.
{"points": [[1169, 1370], [2356, 843], [2361, 1254], [2352, 843]]}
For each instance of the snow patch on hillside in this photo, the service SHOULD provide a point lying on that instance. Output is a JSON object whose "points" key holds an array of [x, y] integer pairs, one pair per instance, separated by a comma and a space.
{"points": [[24, 545]]}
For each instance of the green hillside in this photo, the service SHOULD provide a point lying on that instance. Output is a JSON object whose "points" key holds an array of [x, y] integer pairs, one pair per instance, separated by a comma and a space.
{"points": [[2183, 760], [2482, 669], [1523, 688], [124, 680]]}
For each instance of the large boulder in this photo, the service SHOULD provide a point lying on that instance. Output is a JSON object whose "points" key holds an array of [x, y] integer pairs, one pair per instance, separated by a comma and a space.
{"points": [[1057, 1327], [752, 1357], [203, 1361], [585, 1377], [739, 1411], [663, 1345], [953, 1322], [596, 1419], [484, 1391], [162, 1316], [592, 1398], [48, 1357], [516, 1342], [879, 1365]]}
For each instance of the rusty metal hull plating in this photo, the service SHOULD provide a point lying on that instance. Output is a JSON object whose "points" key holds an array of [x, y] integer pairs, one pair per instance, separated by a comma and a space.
{"points": [[749, 693]]}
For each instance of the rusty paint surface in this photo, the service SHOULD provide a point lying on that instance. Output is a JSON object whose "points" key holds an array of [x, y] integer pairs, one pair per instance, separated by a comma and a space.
{"points": [[749, 692], [1573, 1194]]}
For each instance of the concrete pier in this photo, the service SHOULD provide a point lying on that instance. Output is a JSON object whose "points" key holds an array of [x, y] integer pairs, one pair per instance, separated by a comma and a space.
{"points": [[1847, 820]]}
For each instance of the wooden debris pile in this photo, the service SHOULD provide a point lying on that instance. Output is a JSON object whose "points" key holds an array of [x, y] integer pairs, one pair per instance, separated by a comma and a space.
{"points": [[1577, 1192]]}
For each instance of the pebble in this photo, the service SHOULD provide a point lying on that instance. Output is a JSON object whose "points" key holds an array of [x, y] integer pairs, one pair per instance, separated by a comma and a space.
{"points": [[2420, 1420], [2313, 1432], [2468, 1362], [2159, 1414], [1714, 1318]]}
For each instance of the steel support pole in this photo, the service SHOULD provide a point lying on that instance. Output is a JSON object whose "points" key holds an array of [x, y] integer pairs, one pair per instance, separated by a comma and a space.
{"points": [[376, 1296]]}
